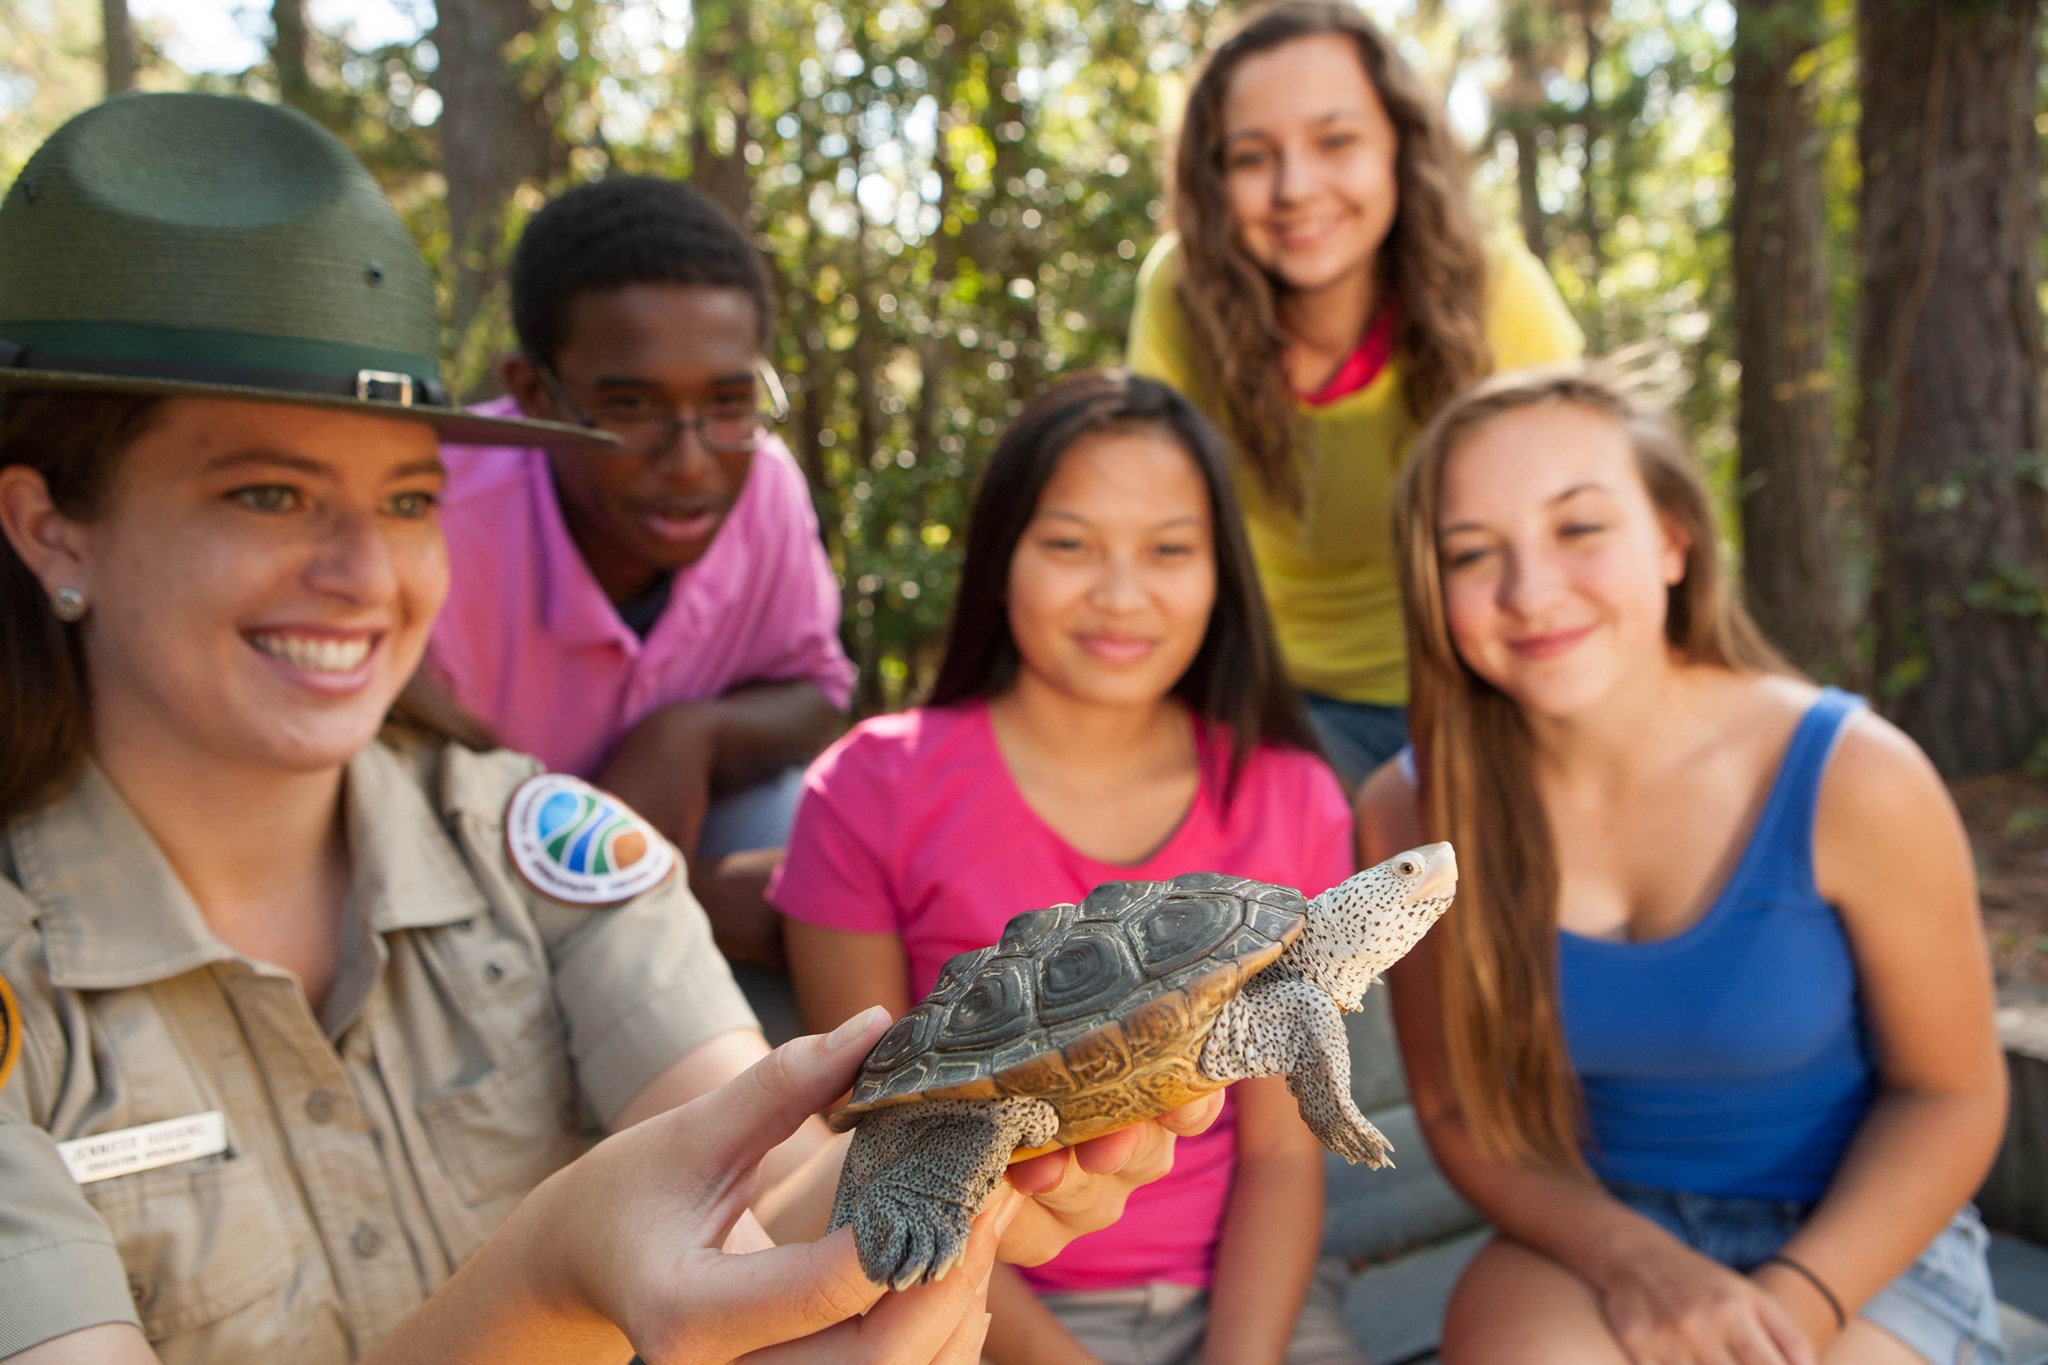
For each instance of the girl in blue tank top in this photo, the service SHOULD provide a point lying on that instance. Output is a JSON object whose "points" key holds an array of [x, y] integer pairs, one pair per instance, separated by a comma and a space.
{"points": [[1708, 1036]]}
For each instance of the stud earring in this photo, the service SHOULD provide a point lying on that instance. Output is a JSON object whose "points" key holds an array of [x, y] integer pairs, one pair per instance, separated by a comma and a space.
{"points": [[69, 604]]}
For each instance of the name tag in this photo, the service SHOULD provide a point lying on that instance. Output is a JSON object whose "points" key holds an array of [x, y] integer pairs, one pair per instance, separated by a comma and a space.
{"points": [[128, 1150]]}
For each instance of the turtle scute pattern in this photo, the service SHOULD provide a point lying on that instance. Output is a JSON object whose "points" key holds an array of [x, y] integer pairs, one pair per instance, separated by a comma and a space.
{"points": [[1096, 1007]]}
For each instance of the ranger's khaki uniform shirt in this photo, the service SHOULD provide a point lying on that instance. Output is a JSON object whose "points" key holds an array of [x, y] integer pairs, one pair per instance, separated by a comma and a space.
{"points": [[474, 1027]]}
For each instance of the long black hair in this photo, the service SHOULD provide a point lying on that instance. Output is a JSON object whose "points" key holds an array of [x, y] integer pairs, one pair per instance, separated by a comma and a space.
{"points": [[1236, 679]]}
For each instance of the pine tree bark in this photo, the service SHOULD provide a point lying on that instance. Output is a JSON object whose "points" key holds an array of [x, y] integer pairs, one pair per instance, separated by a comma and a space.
{"points": [[291, 53], [1792, 579], [495, 132], [117, 47], [1518, 101], [720, 60], [1950, 362]]}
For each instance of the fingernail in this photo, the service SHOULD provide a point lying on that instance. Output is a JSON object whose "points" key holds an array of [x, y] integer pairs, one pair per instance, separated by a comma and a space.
{"points": [[854, 1028], [1013, 1204]]}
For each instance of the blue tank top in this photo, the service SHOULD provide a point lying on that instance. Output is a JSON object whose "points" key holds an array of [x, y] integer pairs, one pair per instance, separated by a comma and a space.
{"points": [[1733, 1058]]}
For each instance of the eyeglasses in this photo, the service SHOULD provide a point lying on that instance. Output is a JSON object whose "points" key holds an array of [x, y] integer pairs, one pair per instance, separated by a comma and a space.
{"points": [[648, 429]]}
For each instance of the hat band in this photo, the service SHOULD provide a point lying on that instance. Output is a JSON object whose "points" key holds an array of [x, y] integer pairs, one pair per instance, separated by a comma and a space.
{"points": [[244, 360]]}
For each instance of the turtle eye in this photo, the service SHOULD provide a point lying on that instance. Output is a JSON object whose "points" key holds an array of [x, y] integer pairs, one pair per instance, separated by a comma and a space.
{"points": [[1408, 867]]}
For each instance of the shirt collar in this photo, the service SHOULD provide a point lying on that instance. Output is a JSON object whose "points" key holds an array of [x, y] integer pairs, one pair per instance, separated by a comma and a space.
{"points": [[407, 872], [114, 913], [576, 610]]}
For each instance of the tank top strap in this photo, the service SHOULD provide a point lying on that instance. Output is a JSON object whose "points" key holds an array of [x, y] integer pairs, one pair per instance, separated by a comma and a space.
{"points": [[1784, 832]]}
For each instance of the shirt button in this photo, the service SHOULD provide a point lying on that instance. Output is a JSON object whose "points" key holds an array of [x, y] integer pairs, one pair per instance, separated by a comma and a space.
{"points": [[494, 973], [366, 1241], [320, 1106]]}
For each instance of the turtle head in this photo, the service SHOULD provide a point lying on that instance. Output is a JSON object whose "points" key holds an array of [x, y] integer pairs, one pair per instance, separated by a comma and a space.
{"points": [[1362, 925]]}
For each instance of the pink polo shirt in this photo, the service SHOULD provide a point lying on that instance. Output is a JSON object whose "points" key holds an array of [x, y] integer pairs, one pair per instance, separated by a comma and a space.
{"points": [[529, 643], [911, 825]]}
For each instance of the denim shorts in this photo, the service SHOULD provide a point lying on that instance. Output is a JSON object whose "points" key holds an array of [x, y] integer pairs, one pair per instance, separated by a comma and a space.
{"points": [[1357, 736], [1942, 1306]]}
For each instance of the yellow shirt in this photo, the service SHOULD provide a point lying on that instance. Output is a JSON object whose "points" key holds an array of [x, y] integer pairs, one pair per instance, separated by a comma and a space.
{"points": [[1329, 575], [473, 1029]]}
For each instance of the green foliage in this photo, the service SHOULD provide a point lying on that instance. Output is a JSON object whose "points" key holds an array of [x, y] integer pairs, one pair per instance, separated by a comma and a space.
{"points": [[955, 196]]}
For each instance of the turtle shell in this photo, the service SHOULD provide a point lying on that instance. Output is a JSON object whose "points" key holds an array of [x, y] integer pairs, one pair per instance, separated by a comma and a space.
{"points": [[1099, 1008]]}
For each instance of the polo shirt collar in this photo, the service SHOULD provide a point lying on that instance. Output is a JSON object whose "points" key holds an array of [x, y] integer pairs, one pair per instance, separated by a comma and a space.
{"points": [[115, 915], [575, 608]]}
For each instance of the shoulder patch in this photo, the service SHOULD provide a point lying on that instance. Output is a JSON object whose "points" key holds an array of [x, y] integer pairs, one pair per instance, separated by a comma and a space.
{"points": [[10, 1031], [575, 844]]}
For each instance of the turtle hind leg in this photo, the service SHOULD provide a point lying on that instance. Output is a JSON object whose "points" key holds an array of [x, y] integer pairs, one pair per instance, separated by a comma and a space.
{"points": [[917, 1174]]}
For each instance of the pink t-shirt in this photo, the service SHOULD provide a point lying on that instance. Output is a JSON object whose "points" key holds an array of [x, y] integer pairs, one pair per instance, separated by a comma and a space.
{"points": [[529, 643], [911, 825]]}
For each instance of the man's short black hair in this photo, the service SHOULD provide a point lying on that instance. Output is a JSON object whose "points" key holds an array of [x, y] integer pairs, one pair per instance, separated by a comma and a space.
{"points": [[625, 229]]}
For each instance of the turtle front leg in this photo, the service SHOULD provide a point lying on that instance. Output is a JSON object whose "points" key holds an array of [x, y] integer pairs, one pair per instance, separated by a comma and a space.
{"points": [[917, 1174], [1289, 1027]]}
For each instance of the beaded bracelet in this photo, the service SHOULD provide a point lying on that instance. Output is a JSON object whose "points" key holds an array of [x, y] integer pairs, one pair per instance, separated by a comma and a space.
{"points": [[1841, 1318]]}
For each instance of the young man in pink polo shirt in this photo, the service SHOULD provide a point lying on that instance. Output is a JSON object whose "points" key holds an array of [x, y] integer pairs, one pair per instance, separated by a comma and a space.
{"points": [[659, 618]]}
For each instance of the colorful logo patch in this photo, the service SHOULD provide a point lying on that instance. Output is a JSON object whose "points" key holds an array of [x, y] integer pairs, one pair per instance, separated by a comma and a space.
{"points": [[10, 1031], [573, 843]]}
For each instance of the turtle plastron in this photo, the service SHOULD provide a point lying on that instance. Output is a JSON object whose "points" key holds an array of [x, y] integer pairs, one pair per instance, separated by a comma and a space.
{"points": [[917, 1174], [1285, 1026]]}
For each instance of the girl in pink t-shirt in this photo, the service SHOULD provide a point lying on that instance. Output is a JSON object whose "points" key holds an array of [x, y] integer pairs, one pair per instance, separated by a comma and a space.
{"points": [[1111, 707]]}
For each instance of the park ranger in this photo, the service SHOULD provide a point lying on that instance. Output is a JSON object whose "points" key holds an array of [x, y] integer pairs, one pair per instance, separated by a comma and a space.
{"points": [[303, 1015]]}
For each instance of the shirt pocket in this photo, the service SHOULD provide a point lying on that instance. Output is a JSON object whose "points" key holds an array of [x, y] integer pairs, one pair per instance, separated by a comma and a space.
{"points": [[200, 1242], [497, 1137]]}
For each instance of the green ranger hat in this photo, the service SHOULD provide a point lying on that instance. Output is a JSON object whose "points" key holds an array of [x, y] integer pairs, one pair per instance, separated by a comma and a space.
{"points": [[217, 247]]}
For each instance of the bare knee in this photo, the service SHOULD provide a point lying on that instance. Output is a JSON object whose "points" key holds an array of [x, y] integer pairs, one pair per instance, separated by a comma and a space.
{"points": [[1865, 1343], [1516, 1306]]}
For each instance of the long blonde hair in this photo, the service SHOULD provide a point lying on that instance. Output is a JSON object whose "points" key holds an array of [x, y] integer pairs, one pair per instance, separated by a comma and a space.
{"points": [[1474, 761], [1432, 255]]}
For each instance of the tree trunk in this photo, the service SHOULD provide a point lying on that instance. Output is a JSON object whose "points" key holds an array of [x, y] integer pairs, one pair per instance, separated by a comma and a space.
{"points": [[1592, 127], [719, 130], [1518, 101], [1791, 577], [1950, 361], [495, 135], [291, 52], [117, 47]]}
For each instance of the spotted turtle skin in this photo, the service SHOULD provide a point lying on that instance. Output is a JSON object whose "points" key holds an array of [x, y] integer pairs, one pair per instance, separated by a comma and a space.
{"points": [[1100, 1009]]}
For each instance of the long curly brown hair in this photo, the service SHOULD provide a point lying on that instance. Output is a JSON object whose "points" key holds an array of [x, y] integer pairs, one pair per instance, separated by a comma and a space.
{"points": [[1432, 257]]}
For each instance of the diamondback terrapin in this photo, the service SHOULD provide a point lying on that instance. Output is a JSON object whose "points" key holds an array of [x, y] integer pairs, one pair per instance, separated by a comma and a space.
{"points": [[1086, 1018]]}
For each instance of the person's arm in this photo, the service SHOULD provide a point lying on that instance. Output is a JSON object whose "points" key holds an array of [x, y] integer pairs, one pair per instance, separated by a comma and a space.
{"points": [[1527, 323], [1272, 1229], [1656, 1294], [679, 757], [670, 764], [1891, 854], [1023, 1331], [643, 1244], [110, 1343], [627, 1250], [1158, 345], [837, 973]]}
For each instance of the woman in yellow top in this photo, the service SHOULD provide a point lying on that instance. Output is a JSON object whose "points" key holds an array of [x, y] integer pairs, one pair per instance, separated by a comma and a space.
{"points": [[1326, 289]]}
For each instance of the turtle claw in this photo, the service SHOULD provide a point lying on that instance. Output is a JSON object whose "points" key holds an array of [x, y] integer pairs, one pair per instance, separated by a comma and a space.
{"points": [[903, 1245], [944, 1268], [1360, 1143]]}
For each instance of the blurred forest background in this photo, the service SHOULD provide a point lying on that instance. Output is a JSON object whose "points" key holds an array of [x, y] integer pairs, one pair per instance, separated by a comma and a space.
{"points": [[1818, 222]]}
